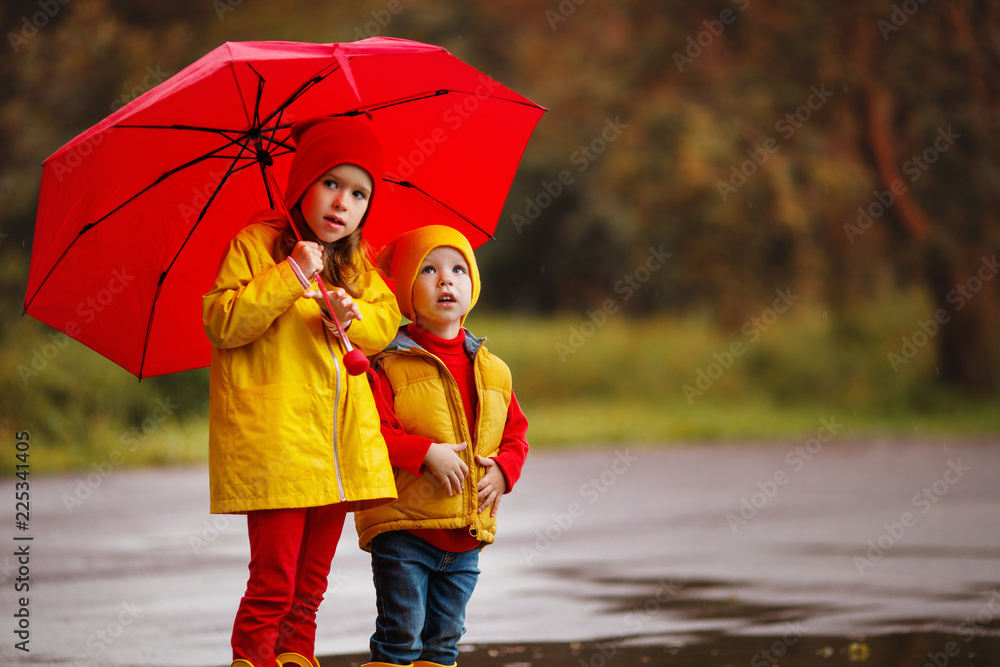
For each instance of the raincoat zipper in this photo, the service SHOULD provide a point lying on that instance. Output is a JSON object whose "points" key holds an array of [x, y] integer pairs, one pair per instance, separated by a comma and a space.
{"points": [[336, 404]]}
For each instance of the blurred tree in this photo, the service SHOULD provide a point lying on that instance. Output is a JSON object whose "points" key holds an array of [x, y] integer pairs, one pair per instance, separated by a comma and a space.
{"points": [[754, 141], [929, 100]]}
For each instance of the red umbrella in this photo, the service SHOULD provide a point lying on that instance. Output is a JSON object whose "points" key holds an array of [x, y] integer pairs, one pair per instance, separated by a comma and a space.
{"points": [[135, 213]]}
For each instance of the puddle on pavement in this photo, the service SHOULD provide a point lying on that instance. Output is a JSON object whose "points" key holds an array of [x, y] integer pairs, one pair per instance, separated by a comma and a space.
{"points": [[714, 607], [911, 650]]}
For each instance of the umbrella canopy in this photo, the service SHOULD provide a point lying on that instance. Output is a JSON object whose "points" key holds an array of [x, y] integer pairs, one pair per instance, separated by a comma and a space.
{"points": [[135, 213]]}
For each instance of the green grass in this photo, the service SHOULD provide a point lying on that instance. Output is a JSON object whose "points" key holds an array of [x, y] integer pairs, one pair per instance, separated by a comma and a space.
{"points": [[579, 384], [670, 379]]}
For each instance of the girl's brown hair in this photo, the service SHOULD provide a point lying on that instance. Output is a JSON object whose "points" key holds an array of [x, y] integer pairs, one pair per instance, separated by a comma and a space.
{"points": [[344, 260]]}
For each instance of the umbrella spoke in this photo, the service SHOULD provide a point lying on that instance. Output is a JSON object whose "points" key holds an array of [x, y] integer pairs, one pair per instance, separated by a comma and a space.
{"points": [[392, 103], [299, 92], [425, 96], [165, 175], [255, 123], [432, 198], [87, 227], [189, 128], [166, 271]]}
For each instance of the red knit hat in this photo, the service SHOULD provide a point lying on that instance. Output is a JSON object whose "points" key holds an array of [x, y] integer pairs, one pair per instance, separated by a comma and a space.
{"points": [[401, 259], [322, 144]]}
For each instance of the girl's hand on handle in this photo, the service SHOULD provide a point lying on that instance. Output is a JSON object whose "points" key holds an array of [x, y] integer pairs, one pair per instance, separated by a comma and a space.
{"points": [[492, 486], [344, 307], [443, 461], [309, 256]]}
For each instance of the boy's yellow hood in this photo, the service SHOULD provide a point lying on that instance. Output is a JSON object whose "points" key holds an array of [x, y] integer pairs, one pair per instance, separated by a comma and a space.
{"points": [[401, 259]]}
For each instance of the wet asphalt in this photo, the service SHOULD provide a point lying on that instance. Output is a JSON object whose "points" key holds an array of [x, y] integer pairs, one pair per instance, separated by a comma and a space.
{"points": [[812, 552]]}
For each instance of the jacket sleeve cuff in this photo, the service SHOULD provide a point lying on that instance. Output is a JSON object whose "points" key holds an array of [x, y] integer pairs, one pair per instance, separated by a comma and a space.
{"points": [[290, 280], [499, 458], [407, 451], [298, 273], [331, 325]]}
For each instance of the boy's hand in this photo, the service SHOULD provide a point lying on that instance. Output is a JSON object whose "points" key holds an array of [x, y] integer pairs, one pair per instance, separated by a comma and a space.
{"points": [[492, 486], [442, 460], [344, 307], [309, 256]]}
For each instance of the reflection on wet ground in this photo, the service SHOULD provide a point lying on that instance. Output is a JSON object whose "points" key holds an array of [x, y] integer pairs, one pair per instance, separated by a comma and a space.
{"points": [[716, 626], [911, 650]]}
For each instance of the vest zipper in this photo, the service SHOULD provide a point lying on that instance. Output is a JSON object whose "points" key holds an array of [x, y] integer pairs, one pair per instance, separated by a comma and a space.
{"points": [[451, 385], [336, 404]]}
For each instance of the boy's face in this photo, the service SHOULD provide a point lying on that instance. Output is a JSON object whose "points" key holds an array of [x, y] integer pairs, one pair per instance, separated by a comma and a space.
{"points": [[334, 205], [442, 292]]}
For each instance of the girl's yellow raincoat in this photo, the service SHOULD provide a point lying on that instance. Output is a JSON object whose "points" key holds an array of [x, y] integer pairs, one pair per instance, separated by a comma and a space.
{"points": [[288, 427]]}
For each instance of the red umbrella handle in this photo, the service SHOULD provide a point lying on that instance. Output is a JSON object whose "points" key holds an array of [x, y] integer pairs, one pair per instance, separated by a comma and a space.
{"points": [[355, 360]]}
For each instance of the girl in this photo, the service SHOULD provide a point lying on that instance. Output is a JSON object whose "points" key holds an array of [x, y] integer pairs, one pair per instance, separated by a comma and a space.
{"points": [[294, 439]]}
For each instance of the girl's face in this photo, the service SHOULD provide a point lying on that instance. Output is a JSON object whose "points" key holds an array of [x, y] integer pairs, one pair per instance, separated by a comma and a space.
{"points": [[442, 292], [334, 205]]}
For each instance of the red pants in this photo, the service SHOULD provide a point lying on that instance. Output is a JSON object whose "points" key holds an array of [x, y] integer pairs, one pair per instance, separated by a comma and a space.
{"points": [[291, 551]]}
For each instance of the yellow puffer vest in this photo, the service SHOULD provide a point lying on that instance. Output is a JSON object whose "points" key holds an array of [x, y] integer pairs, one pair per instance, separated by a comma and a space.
{"points": [[428, 403]]}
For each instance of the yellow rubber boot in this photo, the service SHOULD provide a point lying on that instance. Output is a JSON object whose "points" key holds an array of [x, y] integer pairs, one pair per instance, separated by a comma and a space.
{"points": [[296, 660], [428, 663], [384, 664]]}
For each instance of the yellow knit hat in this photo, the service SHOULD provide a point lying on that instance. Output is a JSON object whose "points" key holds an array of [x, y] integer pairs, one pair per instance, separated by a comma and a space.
{"points": [[401, 259]]}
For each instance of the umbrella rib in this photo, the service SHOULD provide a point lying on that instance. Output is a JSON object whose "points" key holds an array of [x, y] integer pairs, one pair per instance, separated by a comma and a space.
{"points": [[407, 184], [428, 95], [300, 91], [232, 70], [163, 275], [162, 177], [188, 128], [125, 203]]}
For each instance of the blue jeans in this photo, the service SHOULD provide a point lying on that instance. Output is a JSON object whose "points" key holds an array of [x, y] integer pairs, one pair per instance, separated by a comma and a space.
{"points": [[421, 593]]}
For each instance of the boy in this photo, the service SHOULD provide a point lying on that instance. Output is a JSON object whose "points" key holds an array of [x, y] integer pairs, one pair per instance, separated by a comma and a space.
{"points": [[447, 408]]}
